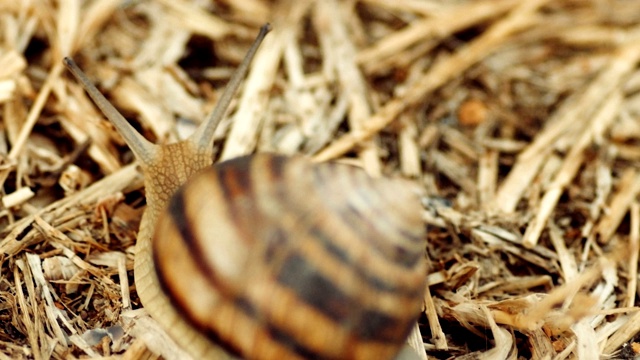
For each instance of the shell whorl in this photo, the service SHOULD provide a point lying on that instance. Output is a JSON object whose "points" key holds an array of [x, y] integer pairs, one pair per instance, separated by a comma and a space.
{"points": [[279, 258]]}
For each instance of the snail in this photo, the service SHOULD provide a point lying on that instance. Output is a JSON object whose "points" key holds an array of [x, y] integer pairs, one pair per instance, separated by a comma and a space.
{"points": [[272, 257]]}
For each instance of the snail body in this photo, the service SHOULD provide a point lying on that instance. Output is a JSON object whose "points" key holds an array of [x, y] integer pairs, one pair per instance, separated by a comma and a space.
{"points": [[272, 257]]}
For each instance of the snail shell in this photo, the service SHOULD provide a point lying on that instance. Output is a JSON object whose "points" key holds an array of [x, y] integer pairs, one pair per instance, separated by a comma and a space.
{"points": [[268, 257], [278, 258]]}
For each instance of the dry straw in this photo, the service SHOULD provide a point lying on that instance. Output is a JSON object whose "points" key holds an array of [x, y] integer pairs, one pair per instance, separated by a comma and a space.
{"points": [[519, 118]]}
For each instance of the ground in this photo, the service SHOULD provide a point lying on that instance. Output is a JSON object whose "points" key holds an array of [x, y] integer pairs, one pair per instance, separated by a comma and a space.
{"points": [[518, 119]]}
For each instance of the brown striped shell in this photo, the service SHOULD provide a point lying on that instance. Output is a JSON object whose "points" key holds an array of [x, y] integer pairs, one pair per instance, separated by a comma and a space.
{"points": [[271, 257], [278, 258]]}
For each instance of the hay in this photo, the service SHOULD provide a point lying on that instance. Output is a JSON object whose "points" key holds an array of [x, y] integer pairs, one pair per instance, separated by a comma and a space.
{"points": [[519, 118]]}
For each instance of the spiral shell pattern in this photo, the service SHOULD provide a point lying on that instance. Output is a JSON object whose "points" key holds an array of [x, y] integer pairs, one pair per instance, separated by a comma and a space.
{"points": [[280, 258]]}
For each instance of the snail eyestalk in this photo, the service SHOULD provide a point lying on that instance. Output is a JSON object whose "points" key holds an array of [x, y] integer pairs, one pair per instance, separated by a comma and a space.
{"points": [[141, 147], [204, 134]]}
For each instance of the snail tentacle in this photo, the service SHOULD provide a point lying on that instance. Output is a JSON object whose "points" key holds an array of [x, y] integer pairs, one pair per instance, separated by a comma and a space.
{"points": [[203, 136], [143, 149]]}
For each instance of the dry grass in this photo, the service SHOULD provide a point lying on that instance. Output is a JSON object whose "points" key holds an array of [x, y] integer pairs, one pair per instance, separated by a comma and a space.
{"points": [[520, 119]]}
